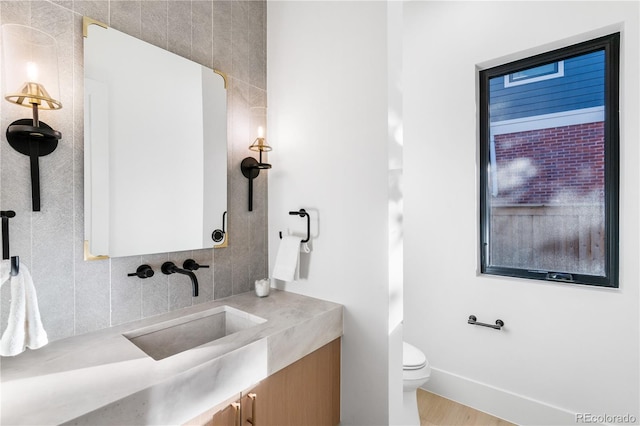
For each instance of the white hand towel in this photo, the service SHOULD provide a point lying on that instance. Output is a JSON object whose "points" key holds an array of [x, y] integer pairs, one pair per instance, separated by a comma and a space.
{"points": [[287, 259], [5, 270], [24, 329]]}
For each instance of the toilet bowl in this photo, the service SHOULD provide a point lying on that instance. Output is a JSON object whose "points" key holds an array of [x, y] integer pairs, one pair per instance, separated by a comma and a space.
{"points": [[415, 373]]}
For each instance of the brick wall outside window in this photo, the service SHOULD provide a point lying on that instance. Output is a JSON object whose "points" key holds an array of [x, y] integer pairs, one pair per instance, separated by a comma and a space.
{"points": [[560, 165]]}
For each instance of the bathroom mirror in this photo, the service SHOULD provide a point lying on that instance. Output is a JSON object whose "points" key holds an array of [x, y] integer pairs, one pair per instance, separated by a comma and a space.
{"points": [[155, 147]]}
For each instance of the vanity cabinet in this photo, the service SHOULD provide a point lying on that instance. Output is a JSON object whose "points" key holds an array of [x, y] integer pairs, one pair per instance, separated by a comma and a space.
{"points": [[306, 392]]}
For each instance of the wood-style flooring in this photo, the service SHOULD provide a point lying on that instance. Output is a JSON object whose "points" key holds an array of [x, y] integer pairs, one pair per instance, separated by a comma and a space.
{"points": [[438, 411]]}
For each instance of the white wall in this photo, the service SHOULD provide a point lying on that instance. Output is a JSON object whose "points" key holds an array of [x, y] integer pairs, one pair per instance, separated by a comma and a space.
{"points": [[327, 97], [565, 349], [395, 208]]}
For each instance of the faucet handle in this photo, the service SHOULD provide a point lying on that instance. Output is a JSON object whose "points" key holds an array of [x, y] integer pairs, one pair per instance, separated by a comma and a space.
{"points": [[192, 265], [143, 271]]}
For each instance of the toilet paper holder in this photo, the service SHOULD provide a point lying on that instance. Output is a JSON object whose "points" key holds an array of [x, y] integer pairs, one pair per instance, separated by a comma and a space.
{"points": [[302, 213]]}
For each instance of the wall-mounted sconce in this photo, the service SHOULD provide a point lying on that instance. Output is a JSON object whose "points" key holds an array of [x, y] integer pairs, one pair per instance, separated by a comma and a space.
{"points": [[30, 79], [250, 166]]}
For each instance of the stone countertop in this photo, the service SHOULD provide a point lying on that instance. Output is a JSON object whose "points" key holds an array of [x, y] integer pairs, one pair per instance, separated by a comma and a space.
{"points": [[103, 378]]}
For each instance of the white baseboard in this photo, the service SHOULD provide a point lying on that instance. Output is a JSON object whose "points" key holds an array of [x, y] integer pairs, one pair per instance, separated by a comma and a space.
{"points": [[500, 403]]}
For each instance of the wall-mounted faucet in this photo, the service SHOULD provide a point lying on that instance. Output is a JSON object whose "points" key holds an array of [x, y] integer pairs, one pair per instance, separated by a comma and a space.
{"points": [[169, 268]]}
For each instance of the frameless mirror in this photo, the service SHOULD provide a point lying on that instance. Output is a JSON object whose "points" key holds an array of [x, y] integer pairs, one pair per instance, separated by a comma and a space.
{"points": [[155, 147]]}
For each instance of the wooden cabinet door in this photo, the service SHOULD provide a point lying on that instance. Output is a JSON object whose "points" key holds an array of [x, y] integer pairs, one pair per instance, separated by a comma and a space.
{"points": [[306, 393], [249, 410], [229, 416]]}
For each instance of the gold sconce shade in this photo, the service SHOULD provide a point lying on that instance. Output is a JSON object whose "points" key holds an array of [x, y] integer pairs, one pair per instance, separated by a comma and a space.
{"points": [[259, 145], [33, 94], [257, 123], [30, 65]]}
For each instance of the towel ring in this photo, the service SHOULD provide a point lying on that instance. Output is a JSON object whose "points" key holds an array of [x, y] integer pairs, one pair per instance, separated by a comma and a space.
{"points": [[302, 213], [15, 260]]}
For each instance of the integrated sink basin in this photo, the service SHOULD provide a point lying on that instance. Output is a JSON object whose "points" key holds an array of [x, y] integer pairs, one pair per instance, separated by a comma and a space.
{"points": [[168, 338]]}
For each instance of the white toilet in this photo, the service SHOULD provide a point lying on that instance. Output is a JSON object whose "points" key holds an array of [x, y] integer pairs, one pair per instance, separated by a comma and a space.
{"points": [[415, 372]]}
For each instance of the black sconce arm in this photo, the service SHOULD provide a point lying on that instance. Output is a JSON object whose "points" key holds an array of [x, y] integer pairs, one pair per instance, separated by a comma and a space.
{"points": [[35, 141], [251, 169]]}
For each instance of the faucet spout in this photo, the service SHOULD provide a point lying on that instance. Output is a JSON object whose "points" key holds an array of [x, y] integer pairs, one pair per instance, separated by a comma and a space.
{"points": [[169, 268]]}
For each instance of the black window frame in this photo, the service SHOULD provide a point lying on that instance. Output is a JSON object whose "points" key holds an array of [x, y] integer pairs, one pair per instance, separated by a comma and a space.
{"points": [[611, 46]]}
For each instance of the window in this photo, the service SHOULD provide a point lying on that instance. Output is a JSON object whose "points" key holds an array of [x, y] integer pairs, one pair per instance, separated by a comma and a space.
{"points": [[549, 152], [531, 75]]}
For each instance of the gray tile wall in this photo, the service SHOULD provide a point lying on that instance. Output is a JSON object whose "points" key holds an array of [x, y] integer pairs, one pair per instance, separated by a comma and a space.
{"points": [[77, 296]]}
